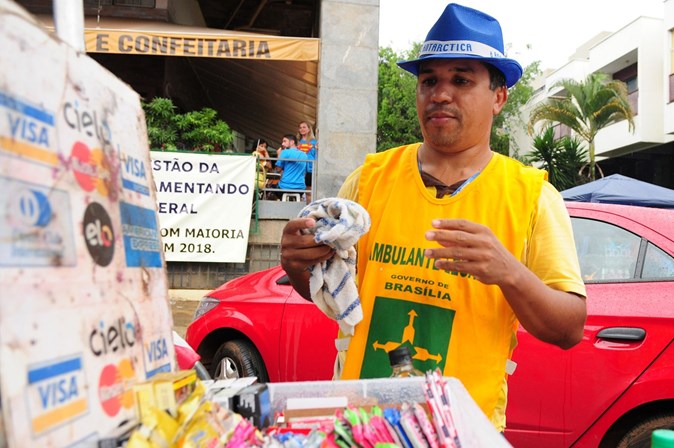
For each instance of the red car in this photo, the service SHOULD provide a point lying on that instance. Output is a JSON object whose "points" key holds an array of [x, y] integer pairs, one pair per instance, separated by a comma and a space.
{"points": [[611, 390]]}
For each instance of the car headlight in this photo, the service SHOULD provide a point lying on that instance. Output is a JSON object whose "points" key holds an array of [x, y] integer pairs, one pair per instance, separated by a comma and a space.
{"points": [[206, 304]]}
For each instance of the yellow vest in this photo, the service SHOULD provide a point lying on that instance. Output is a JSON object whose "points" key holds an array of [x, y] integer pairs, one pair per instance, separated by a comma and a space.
{"points": [[450, 321]]}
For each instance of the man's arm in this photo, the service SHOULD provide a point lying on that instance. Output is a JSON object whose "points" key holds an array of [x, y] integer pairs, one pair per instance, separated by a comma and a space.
{"points": [[553, 316], [556, 317]]}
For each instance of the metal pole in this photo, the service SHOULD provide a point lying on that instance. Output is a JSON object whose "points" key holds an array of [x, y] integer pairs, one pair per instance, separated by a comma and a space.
{"points": [[69, 21]]}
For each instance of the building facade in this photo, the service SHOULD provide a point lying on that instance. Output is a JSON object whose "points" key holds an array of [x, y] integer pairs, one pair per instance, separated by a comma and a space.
{"points": [[642, 55]]}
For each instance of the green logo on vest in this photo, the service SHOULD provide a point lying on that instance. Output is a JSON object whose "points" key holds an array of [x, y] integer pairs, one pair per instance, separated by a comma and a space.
{"points": [[426, 329]]}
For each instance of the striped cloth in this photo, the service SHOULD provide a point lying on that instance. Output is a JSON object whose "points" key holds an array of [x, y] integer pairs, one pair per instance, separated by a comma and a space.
{"points": [[339, 224]]}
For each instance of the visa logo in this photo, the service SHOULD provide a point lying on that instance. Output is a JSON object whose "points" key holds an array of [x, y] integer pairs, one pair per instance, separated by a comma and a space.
{"points": [[134, 167], [56, 394], [157, 357], [29, 131], [157, 350], [134, 177]]}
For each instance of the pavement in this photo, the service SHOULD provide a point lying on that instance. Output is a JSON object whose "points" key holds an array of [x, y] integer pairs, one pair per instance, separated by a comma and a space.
{"points": [[183, 304]]}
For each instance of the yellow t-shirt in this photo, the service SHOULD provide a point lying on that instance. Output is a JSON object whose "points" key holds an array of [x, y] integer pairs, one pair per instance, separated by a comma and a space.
{"points": [[428, 309], [547, 252]]}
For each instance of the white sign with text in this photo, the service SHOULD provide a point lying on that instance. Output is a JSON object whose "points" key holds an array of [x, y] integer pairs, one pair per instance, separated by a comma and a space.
{"points": [[204, 203]]}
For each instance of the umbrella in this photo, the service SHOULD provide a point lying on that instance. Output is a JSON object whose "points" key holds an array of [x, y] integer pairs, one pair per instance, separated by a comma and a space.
{"points": [[619, 189]]}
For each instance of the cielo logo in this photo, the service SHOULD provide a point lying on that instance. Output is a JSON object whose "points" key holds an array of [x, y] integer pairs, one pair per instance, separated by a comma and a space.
{"points": [[90, 168], [34, 208], [112, 338], [86, 122], [115, 387], [98, 234], [56, 393]]}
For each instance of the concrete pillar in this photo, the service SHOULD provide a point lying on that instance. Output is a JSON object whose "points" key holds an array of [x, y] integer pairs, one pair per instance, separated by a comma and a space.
{"points": [[347, 100]]}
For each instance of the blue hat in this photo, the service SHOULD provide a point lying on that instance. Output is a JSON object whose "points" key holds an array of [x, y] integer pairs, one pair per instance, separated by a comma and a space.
{"points": [[466, 33]]}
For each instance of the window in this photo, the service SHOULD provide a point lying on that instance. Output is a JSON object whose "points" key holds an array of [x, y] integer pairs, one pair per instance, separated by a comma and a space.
{"points": [[632, 84], [606, 252], [134, 3], [671, 69], [137, 3], [657, 264]]}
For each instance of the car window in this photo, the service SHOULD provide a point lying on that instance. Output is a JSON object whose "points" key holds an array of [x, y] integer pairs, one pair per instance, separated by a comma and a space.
{"points": [[606, 252], [658, 263]]}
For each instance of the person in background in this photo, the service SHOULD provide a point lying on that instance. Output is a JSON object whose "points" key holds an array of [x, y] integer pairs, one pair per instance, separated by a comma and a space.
{"points": [[466, 244], [307, 144], [259, 150], [291, 166]]}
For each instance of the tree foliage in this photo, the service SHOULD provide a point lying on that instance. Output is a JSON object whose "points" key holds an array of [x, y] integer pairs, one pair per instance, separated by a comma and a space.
{"points": [[397, 122], [162, 130], [586, 107], [501, 140], [199, 130], [561, 158], [202, 130]]}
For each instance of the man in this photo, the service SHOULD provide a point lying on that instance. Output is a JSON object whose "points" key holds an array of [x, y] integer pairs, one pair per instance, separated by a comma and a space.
{"points": [[465, 244], [293, 170]]}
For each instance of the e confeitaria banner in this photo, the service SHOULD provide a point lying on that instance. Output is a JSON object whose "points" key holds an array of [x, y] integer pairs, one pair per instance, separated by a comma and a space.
{"points": [[211, 45]]}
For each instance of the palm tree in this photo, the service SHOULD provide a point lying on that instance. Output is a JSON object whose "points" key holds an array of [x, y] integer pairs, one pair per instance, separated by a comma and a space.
{"points": [[586, 108], [561, 158]]}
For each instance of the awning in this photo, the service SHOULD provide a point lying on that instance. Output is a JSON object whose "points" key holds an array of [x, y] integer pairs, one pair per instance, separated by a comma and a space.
{"points": [[259, 93], [142, 37]]}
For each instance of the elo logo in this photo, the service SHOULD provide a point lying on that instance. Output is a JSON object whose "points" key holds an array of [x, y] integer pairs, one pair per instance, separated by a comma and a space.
{"points": [[115, 387], [98, 234], [90, 168], [34, 208]]}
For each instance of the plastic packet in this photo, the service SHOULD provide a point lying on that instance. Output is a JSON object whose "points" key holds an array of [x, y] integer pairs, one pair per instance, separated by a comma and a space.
{"points": [[410, 425], [392, 416], [425, 425]]}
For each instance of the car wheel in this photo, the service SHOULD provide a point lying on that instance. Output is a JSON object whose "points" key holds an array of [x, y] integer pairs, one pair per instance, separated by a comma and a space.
{"points": [[238, 359], [640, 435]]}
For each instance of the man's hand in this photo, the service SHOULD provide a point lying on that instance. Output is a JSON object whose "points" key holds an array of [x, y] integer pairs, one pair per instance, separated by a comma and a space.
{"points": [[472, 249], [299, 251]]}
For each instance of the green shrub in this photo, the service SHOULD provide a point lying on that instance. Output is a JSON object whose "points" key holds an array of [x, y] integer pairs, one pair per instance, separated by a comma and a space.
{"points": [[199, 130]]}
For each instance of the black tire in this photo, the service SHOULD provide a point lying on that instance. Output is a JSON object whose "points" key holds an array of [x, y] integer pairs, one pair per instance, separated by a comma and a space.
{"points": [[639, 436], [240, 359]]}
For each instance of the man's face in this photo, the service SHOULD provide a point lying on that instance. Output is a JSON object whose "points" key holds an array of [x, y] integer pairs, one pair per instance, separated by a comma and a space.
{"points": [[455, 104], [285, 143]]}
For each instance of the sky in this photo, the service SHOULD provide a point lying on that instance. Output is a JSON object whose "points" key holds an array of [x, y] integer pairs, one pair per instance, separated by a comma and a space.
{"points": [[533, 30]]}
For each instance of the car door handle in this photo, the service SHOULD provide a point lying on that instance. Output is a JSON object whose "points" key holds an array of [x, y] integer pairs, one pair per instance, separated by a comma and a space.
{"points": [[622, 333]]}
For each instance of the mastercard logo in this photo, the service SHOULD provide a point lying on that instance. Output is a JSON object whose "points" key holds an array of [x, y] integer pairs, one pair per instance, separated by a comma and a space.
{"points": [[115, 387], [91, 168]]}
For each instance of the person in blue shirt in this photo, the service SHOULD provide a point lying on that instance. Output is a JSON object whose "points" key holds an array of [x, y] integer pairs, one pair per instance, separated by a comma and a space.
{"points": [[290, 162]]}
